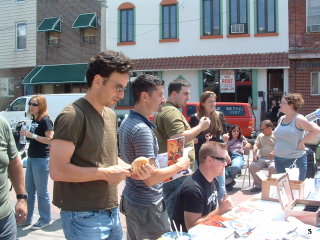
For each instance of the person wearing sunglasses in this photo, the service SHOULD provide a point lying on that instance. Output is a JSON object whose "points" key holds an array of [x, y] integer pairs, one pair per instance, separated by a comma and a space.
{"points": [[37, 172], [197, 198], [237, 146]]}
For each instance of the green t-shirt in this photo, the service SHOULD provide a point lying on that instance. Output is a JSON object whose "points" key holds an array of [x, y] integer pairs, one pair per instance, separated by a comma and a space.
{"points": [[170, 121], [95, 140], [8, 151]]}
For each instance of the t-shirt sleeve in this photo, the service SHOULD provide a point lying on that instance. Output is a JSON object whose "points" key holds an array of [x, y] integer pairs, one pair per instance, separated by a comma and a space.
{"points": [[194, 121], [11, 144], [143, 143], [69, 126], [47, 124], [192, 200], [173, 123]]}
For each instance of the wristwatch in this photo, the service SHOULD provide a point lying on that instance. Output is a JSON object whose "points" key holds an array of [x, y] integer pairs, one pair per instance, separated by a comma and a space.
{"points": [[34, 136], [22, 196]]}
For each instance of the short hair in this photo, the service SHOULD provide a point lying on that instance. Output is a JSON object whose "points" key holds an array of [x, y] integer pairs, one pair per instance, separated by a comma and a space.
{"points": [[210, 149], [107, 62], [176, 85], [267, 123], [43, 108], [145, 83], [295, 99]]}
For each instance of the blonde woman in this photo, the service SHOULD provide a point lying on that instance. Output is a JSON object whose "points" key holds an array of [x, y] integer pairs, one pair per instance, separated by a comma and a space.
{"points": [[37, 173]]}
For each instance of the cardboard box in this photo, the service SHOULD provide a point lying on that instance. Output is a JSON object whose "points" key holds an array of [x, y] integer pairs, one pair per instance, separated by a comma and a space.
{"points": [[307, 211], [269, 190]]}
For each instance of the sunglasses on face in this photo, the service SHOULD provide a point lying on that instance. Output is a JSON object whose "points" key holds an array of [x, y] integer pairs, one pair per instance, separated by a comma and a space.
{"points": [[219, 158], [33, 104]]}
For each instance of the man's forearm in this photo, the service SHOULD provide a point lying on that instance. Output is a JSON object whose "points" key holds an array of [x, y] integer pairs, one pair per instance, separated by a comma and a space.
{"points": [[189, 134], [15, 171]]}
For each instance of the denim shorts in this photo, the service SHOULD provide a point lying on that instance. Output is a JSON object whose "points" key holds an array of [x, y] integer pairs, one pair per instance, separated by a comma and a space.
{"points": [[93, 225]]}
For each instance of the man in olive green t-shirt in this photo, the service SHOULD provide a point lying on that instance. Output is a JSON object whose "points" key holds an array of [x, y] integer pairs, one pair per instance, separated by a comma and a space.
{"points": [[10, 164], [84, 160], [172, 124]]}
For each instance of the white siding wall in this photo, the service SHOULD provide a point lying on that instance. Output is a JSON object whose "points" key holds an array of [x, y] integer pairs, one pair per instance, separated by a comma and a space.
{"points": [[10, 14], [148, 34]]}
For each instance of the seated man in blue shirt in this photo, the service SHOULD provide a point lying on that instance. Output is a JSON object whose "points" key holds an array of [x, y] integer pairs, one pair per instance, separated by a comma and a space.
{"points": [[197, 197], [142, 201]]}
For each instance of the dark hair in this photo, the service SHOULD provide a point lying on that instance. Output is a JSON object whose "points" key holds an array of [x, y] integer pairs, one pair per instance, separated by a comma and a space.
{"points": [[210, 149], [107, 62], [176, 85], [295, 99], [267, 123], [145, 83], [240, 133], [43, 109]]}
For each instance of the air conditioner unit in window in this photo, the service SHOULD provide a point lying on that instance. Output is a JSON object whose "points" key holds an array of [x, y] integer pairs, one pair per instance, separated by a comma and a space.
{"points": [[315, 28], [54, 41], [238, 28]]}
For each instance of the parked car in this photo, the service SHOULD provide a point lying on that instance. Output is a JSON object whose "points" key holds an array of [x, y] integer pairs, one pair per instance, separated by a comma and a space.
{"points": [[234, 113]]}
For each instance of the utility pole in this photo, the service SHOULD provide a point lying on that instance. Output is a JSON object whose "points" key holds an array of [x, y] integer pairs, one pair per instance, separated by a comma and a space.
{"points": [[103, 37]]}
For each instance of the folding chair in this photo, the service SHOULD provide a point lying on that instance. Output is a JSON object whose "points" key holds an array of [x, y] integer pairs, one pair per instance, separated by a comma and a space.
{"points": [[246, 169]]}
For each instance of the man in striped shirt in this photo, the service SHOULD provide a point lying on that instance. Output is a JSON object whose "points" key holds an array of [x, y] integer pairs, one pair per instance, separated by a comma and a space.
{"points": [[142, 201]]}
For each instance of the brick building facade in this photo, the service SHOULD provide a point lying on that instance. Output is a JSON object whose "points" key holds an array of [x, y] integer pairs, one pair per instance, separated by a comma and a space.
{"points": [[304, 51]]}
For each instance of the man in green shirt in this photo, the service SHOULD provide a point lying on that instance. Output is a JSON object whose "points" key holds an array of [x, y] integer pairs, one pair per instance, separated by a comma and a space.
{"points": [[171, 123], [10, 164]]}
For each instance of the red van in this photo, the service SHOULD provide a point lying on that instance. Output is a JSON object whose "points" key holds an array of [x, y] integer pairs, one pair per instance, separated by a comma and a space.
{"points": [[234, 113]]}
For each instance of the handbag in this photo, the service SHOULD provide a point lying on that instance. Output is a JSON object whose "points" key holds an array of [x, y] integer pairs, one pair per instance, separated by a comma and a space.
{"points": [[293, 171]]}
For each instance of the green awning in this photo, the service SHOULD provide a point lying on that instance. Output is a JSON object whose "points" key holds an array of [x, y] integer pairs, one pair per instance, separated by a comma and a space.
{"points": [[54, 74], [87, 20], [50, 25]]}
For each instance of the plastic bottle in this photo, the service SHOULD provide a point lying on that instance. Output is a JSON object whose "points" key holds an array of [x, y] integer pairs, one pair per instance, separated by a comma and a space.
{"points": [[23, 139], [317, 181]]}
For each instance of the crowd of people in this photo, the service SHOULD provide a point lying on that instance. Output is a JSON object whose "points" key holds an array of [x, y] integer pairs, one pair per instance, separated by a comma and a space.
{"points": [[81, 151]]}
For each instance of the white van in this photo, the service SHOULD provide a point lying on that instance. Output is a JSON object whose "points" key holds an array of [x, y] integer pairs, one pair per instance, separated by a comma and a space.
{"points": [[18, 109]]}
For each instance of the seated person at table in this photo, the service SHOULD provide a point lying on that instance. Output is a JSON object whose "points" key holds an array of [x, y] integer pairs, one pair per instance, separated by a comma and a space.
{"points": [[237, 146], [262, 154], [197, 197]]}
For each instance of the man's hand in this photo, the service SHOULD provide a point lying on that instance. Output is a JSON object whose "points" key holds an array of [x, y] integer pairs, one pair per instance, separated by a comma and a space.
{"points": [[144, 172], [183, 163], [226, 204], [21, 211], [204, 123], [271, 156], [115, 174], [255, 159]]}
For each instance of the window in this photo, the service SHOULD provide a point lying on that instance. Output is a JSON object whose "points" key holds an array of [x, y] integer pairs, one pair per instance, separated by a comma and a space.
{"points": [[6, 87], [128, 98], [126, 25], [88, 35], [21, 29], [211, 17], [238, 16], [313, 16], [169, 21], [266, 12], [18, 1], [315, 83], [53, 38]]}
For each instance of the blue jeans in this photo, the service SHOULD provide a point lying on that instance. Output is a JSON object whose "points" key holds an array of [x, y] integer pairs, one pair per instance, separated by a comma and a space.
{"points": [[170, 191], [93, 225], [8, 227], [282, 163], [37, 183], [236, 165]]}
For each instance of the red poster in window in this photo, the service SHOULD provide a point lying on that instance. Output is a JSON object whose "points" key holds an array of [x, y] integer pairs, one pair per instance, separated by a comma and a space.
{"points": [[227, 81]]}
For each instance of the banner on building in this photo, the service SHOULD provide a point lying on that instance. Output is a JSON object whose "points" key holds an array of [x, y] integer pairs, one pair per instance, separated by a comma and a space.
{"points": [[227, 81]]}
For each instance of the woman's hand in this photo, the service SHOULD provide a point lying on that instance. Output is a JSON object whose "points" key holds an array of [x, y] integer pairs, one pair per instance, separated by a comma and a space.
{"points": [[26, 133]]}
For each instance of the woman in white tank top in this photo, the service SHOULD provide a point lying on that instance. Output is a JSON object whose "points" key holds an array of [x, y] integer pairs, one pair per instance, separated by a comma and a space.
{"points": [[290, 135]]}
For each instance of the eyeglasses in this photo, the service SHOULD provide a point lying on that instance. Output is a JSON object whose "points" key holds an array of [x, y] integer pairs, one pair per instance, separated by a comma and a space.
{"points": [[33, 104], [119, 88], [219, 158]]}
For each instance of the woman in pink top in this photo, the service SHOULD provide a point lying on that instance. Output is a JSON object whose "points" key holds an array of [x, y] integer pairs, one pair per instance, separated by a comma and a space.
{"points": [[237, 145]]}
